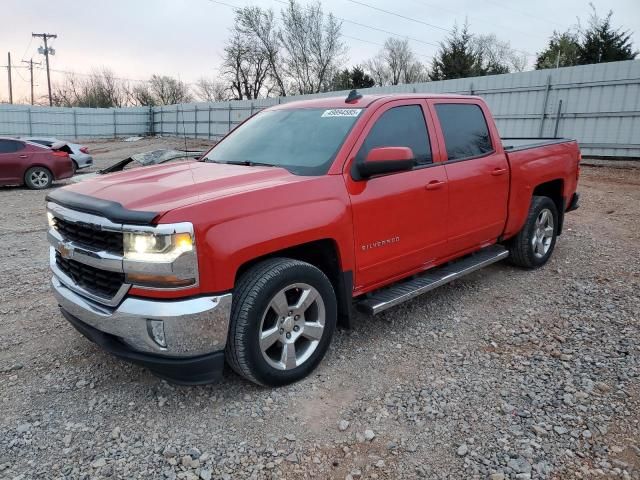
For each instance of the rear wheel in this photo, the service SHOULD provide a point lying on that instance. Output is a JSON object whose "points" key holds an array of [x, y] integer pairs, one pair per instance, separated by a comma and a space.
{"points": [[534, 244], [38, 178], [282, 320]]}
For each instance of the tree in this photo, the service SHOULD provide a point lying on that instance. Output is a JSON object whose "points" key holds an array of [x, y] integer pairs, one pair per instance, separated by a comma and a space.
{"points": [[562, 51], [602, 43], [168, 90], [313, 45], [349, 79], [259, 26], [497, 56], [395, 64], [245, 66], [211, 90], [100, 89], [378, 70], [457, 57], [142, 96]]}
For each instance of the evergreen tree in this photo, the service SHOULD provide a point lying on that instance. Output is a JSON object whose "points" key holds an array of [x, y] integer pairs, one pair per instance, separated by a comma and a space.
{"points": [[349, 79], [602, 43], [457, 57], [562, 51]]}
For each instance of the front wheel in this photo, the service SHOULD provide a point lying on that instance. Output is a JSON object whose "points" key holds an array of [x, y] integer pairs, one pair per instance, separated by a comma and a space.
{"points": [[282, 319], [534, 244]]}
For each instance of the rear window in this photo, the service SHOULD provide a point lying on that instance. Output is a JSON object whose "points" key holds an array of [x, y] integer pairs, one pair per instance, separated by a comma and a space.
{"points": [[10, 146], [465, 130]]}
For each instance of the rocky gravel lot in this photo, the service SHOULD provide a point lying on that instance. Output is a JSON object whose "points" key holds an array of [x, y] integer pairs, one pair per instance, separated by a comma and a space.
{"points": [[506, 374]]}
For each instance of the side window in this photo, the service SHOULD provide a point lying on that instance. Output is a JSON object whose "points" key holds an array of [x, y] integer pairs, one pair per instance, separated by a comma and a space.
{"points": [[10, 146], [400, 127], [465, 130]]}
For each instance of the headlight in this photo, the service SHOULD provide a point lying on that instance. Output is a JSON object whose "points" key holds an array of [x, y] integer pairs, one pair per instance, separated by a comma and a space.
{"points": [[160, 260], [151, 247], [50, 219]]}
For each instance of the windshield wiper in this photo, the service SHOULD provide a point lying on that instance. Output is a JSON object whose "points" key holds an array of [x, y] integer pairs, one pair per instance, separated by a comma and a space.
{"points": [[248, 163]]}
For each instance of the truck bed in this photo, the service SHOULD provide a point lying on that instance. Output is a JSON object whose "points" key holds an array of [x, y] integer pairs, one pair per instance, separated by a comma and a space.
{"points": [[512, 144]]}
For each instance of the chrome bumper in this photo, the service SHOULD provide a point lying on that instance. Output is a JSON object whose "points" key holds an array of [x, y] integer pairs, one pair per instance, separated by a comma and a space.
{"points": [[195, 326]]}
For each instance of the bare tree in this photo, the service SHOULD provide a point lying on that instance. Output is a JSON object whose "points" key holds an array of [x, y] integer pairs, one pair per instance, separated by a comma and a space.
{"points": [[211, 90], [168, 90], [245, 66], [496, 55], [313, 46], [395, 64], [100, 89], [260, 26], [378, 70], [142, 96]]}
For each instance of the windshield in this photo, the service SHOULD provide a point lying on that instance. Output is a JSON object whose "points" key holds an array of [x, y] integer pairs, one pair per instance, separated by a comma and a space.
{"points": [[304, 141]]}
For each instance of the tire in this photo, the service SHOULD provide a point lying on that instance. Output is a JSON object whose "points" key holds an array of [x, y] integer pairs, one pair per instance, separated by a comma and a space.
{"points": [[265, 323], [534, 244], [38, 178], [75, 166]]}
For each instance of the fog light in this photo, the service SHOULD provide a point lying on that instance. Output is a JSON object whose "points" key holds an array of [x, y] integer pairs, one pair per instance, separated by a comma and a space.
{"points": [[156, 332]]}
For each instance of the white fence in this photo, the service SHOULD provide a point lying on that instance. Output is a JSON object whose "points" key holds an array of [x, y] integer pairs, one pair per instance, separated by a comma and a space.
{"points": [[599, 105]]}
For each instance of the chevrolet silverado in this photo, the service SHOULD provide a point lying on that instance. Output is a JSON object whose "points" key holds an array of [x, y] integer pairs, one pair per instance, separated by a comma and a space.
{"points": [[254, 253]]}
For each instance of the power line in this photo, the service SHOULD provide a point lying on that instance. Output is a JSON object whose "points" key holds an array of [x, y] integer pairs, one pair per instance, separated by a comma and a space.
{"points": [[401, 16], [526, 14], [371, 27], [345, 20]]}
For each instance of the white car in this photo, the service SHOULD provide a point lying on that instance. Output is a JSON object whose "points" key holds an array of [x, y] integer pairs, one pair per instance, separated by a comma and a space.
{"points": [[79, 153]]}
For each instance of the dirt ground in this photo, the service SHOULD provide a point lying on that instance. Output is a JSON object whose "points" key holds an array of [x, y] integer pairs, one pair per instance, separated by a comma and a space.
{"points": [[504, 374]]}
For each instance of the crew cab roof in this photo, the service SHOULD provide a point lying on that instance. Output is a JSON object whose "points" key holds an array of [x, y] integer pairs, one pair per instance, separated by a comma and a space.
{"points": [[365, 101]]}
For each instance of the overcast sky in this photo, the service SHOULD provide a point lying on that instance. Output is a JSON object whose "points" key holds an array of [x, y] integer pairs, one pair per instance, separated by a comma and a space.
{"points": [[186, 38]]}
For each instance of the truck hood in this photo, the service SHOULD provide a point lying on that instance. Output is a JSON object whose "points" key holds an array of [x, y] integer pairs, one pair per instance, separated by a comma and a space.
{"points": [[165, 187]]}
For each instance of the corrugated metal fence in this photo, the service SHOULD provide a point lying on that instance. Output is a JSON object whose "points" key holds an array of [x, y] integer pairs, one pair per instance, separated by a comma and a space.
{"points": [[597, 104]]}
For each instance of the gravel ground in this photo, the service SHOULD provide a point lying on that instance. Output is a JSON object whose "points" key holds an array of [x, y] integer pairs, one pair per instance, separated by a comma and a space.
{"points": [[504, 374]]}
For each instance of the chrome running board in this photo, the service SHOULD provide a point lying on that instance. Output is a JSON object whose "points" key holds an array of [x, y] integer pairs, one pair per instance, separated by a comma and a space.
{"points": [[398, 293]]}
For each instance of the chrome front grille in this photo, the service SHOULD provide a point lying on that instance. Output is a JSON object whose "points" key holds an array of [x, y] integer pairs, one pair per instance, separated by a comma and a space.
{"points": [[99, 282], [87, 254], [90, 236]]}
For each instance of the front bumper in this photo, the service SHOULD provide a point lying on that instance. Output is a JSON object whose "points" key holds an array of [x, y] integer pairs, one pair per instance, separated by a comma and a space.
{"points": [[82, 160], [194, 331]]}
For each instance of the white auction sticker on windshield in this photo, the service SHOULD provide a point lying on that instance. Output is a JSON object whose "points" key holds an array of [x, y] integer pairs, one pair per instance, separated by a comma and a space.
{"points": [[342, 112]]}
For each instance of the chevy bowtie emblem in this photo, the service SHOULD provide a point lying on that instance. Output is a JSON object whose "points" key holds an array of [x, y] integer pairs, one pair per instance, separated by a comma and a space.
{"points": [[65, 250]]}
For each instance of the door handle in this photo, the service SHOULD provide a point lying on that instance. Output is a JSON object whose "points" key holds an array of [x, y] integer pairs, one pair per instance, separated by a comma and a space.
{"points": [[498, 171], [22, 156], [435, 184]]}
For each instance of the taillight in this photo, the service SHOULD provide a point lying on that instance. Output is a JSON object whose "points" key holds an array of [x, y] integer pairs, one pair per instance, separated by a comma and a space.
{"points": [[58, 153], [84, 149], [578, 166]]}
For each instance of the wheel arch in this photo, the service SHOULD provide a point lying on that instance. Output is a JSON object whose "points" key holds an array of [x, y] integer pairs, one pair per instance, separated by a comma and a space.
{"points": [[325, 255], [553, 189]]}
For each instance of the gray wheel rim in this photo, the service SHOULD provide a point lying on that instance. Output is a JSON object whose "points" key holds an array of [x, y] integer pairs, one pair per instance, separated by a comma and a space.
{"points": [[542, 233], [39, 178], [292, 326]]}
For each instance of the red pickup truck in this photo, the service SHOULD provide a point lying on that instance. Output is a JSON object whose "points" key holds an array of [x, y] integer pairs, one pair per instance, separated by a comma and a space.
{"points": [[254, 253]]}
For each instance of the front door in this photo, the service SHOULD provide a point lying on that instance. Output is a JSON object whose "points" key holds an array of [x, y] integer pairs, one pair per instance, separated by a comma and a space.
{"points": [[399, 219], [478, 175], [13, 157]]}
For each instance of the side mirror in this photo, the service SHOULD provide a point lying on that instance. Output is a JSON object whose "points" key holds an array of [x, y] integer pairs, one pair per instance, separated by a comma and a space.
{"points": [[383, 160]]}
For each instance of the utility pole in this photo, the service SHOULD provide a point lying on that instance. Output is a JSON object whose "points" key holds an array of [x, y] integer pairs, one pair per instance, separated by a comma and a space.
{"points": [[30, 62], [46, 51], [9, 72]]}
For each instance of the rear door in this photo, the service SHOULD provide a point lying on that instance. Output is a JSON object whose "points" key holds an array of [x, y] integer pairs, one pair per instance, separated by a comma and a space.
{"points": [[13, 160], [399, 219], [477, 171]]}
